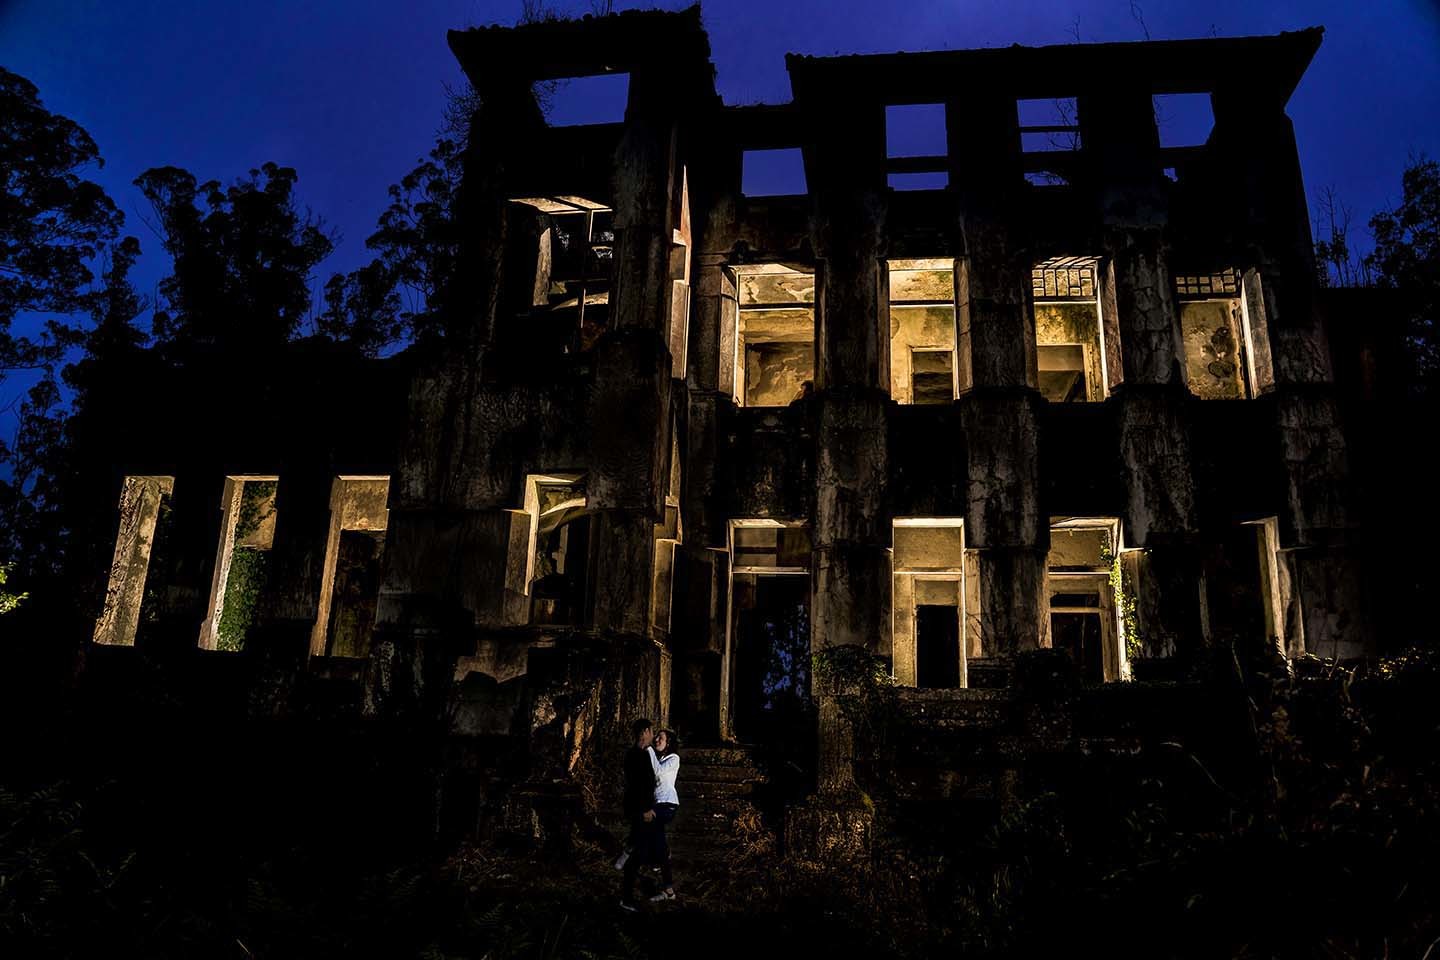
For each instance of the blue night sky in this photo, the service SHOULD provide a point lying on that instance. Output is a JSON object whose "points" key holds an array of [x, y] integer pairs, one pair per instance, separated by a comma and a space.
{"points": [[350, 92]]}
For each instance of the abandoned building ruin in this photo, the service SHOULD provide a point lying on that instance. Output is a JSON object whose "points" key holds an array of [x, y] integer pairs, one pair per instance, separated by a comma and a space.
{"points": [[1051, 383]]}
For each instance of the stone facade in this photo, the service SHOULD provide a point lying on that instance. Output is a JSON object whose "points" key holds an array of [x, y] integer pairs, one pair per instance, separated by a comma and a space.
{"points": [[663, 443]]}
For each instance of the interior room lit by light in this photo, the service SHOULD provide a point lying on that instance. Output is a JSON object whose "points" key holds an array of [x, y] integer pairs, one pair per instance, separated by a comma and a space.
{"points": [[923, 367], [1070, 347], [773, 342]]}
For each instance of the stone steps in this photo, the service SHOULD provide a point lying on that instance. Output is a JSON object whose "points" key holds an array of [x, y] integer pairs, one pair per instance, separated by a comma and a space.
{"points": [[715, 786]]}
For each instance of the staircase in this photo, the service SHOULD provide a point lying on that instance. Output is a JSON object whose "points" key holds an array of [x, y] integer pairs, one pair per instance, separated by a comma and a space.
{"points": [[716, 787]]}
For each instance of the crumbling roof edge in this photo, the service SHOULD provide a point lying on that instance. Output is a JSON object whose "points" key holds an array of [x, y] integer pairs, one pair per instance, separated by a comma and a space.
{"points": [[1016, 64]]}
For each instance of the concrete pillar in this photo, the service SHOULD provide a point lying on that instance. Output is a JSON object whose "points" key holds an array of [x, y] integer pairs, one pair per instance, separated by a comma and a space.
{"points": [[1118, 129], [1006, 532], [851, 576], [1255, 142]]}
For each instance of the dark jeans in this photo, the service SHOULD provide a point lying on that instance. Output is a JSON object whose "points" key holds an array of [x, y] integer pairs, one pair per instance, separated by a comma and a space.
{"points": [[651, 848]]}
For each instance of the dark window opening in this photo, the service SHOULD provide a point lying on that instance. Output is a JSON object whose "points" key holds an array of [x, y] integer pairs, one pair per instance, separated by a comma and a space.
{"points": [[1079, 635], [932, 376], [937, 647], [356, 592]]}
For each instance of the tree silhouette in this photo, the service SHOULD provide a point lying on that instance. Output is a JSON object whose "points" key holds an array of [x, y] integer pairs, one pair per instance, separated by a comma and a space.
{"points": [[52, 223], [1407, 258], [243, 258], [399, 296]]}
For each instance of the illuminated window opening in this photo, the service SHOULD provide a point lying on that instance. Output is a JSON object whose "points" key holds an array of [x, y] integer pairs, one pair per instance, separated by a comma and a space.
{"points": [[574, 255], [1084, 612], [923, 366], [667, 537], [679, 335], [247, 532], [932, 638], [557, 557], [142, 504], [774, 342], [1215, 335], [350, 578], [1070, 354]]}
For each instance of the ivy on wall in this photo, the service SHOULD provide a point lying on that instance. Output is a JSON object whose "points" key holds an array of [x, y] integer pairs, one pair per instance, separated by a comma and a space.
{"points": [[257, 504], [242, 594], [1126, 605]]}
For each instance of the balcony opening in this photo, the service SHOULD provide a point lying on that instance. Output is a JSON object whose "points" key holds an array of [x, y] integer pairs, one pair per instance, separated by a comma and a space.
{"points": [[1071, 364], [143, 505], [773, 173], [922, 331], [774, 345]]}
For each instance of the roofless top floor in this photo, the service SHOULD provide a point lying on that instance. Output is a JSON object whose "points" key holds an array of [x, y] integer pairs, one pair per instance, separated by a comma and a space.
{"points": [[1074, 121]]}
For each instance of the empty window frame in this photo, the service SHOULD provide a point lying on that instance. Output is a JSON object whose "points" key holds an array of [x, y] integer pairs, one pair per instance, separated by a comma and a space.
{"points": [[1183, 119], [774, 343], [1049, 138], [773, 173], [1084, 614], [584, 101], [142, 502], [1071, 363], [574, 250], [350, 579], [1214, 334], [929, 630], [916, 148], [247, 532], [923, 366]]}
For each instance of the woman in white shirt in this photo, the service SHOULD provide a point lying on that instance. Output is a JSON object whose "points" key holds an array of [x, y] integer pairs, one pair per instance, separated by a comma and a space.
{"points": [[666, 763]]}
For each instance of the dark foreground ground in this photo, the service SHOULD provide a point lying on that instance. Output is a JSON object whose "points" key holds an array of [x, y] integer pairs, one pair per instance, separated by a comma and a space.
{"points": [[156, 832]]}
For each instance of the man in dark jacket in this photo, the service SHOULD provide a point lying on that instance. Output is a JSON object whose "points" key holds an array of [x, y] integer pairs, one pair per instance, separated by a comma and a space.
{"points": [[638, 806]]}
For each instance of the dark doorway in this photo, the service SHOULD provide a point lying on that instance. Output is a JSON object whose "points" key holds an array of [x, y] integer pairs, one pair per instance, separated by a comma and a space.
{"points": [[1080, 634], [357, 589], [937, 647], [1233, 587], [770, 679]]}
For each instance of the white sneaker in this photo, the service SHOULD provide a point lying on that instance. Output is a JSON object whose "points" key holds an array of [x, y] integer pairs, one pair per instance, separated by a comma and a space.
{"points": [[629, 907], [662, 896], [620, 860]]}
